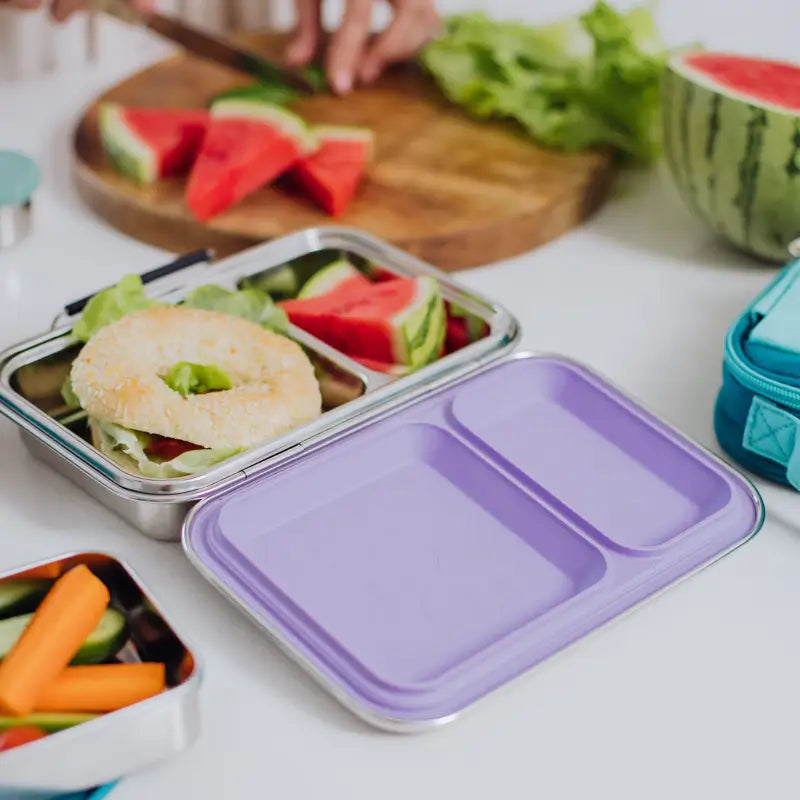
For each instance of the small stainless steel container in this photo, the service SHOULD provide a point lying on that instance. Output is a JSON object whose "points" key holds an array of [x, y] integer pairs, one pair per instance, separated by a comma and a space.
{"points": [[31, 374], [118, 743]]}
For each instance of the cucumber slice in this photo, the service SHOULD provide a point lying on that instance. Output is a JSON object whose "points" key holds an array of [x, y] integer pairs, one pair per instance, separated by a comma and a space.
{"points": [[48, 721], [17, 597], [102, 643]]}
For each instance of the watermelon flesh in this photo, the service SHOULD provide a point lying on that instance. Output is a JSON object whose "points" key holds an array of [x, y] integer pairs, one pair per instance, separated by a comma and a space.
{"points": [[395, 322], [769, 81], [732, 142], [248, 144], [145, 144], [331, 175]]}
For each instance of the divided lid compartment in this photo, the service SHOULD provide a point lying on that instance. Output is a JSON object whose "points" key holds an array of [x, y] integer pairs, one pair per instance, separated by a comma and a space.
{"points": [[420, 562]]}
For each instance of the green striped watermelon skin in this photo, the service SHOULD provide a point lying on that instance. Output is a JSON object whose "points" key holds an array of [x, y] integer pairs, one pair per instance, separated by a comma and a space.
{"points": [[735, 161]]}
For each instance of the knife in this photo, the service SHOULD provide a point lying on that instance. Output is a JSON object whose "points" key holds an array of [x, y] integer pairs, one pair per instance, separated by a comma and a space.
{"points": [[209, 47]]}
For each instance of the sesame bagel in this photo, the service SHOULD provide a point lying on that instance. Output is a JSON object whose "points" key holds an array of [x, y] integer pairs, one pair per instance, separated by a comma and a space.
{"points": [[118, 377]]}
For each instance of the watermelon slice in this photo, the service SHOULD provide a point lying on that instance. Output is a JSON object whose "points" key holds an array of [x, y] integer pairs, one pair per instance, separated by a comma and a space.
{"points": [[248, 144], [341, 275], [397, 370], [396, 322], [732, 141], [145, 144], [463, 328], [331, 175]]}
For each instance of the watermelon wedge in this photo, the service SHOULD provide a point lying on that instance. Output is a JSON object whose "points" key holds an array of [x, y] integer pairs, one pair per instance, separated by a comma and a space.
{"points": [[396, 370], [330, 176], [145, 144], [732, 141], [463, 328], [339, 276], [248, 144], [398, 322]]}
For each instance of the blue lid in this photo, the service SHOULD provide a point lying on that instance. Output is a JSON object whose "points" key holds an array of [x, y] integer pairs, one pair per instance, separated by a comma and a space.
{"points": [[19, 177]]}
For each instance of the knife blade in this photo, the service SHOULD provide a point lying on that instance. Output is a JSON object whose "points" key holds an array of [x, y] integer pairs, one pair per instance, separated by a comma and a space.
{"points": [[210, 47]]}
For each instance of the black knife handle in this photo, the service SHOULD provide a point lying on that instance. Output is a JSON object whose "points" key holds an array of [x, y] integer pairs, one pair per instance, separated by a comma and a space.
{"points": [[182, 262]]}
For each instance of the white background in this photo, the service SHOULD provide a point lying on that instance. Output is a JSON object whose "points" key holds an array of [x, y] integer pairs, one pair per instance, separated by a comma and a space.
{"points": [[694, 696]]}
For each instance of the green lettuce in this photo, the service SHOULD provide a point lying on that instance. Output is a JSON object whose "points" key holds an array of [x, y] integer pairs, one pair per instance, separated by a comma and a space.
{"points": [[586, 81], [110, 305], [250, 304], [68, 394], [127, 447], [187, 378]]}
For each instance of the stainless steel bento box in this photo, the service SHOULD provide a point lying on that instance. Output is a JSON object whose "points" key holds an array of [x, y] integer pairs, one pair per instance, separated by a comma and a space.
{"points": [[32, 371], [120, 742]]}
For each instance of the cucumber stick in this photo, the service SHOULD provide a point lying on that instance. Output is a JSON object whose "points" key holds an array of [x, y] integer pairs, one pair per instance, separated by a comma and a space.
{"points": [[102, 643], [48, 721], [17, 597]]}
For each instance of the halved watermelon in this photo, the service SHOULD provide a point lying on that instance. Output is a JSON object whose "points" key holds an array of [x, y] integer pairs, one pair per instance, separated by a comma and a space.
{"points": [[248, 144], [146, 144], [331, 175], [732, 142], [396, 322], [341, 275]]}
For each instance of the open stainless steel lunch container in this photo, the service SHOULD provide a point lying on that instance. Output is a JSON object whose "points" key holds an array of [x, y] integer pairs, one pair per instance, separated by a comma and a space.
{"points": [[118, 743], [31, 372], [430, 537]]}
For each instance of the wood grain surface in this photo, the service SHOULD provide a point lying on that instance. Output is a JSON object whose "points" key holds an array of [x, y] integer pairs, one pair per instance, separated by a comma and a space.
{"points": [[454, 191]]}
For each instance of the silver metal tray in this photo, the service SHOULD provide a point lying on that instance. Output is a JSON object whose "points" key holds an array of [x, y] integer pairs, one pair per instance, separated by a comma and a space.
{"points": [[352, 394]]}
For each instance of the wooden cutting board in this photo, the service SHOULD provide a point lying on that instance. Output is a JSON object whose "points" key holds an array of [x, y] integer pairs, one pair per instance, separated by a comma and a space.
{"points": [[454, 191]]}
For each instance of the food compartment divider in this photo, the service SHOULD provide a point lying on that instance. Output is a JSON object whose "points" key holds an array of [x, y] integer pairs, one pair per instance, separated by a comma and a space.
{"points": [[420, 572]]}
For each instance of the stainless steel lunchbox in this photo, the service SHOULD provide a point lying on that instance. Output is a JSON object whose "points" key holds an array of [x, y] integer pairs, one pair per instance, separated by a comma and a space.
{"points": [[121, 742], [31, 373]]}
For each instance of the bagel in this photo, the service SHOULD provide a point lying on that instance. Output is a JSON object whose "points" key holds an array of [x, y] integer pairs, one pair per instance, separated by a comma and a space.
{"points": [[118, 377]]}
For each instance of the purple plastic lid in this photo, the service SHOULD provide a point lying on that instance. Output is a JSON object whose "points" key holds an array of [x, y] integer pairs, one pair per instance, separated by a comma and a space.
{"points": [[420, 562]]}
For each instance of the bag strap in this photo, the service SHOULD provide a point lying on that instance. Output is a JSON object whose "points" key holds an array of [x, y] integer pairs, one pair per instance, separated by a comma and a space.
{"points": [[774, 433]]}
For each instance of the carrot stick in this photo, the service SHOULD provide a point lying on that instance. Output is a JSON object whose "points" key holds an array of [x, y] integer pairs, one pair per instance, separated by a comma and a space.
{"points": [[66, 616], [102, 687]]}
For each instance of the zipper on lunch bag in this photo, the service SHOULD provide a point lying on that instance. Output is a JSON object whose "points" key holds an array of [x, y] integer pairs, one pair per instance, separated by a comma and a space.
{"points": [[751, 379]]}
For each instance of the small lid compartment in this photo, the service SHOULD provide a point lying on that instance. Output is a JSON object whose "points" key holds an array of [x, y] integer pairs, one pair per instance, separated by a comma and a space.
{"points": [[418, 563]]}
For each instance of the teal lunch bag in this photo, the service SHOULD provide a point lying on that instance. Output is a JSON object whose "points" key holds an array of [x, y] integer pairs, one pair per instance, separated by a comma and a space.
{"points": [[757, 412]]}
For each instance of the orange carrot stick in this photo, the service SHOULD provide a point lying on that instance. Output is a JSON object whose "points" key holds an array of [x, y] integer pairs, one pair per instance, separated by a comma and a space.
{"points": [[102, 687], [66, 616]]}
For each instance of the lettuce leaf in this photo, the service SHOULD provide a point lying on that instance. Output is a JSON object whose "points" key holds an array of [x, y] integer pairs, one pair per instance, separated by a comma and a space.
{"points": [[127, 447], [68, 394], [251, 304], [110, 305], [586, 81], [187, 378]]}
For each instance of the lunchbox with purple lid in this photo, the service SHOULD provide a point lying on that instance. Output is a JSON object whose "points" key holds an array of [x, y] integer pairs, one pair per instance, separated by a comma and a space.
{"points": [[432, 536], [83, 755]]}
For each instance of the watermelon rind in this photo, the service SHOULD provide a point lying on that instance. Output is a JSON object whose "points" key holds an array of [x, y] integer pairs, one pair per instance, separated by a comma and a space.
{"points": [[346, 133], [129, 155], [290, 124], [419, 329], [330, 278], [735, 160]]}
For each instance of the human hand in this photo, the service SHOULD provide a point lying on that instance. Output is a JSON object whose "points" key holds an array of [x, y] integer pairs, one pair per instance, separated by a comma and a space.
{"points": [[353, 55], [61, 10]]}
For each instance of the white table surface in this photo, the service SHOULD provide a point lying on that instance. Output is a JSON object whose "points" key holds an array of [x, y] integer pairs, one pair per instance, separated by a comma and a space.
{"points": [[695, 695]]}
